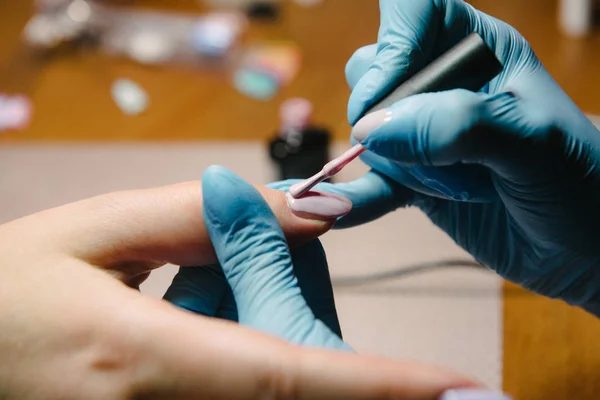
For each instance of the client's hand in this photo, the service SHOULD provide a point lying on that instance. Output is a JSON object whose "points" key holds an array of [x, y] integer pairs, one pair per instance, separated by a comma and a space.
{"points": [[286, 295], [71, 328]]}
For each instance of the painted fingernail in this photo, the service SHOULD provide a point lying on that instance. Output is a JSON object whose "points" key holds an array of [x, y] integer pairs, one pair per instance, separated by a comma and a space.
{"points": [[327, 205], [473, 394], [369, 123]]}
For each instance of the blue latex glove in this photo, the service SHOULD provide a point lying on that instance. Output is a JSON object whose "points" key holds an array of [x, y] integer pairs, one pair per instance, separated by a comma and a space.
{"points": [[269, 290], [520, 151]]}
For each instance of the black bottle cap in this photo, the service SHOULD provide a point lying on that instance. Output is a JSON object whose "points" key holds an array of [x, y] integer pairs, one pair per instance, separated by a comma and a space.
{"points": [[263, 10]]}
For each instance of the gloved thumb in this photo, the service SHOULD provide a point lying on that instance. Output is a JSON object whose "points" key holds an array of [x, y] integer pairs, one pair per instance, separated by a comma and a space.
{"points": [[257, 263], [373, 195], [447, 128]]}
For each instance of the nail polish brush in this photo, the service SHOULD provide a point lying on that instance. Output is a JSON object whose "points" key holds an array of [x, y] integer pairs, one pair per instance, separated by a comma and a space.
{"points": [[469, 65]]}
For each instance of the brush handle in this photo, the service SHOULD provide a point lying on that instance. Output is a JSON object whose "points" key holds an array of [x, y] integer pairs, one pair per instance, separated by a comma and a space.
{"points": [[336, 165], [469, 65]]}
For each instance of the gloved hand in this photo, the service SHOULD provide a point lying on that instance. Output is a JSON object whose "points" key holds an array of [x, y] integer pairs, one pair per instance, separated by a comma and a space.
{"points": [[510, 173], [264, 287]]}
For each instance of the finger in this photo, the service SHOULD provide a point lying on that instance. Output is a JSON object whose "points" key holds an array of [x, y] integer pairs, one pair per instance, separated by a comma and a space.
{"points": [[359, 64], [437, 182], [404, 45], [205, 291], [256, 260], [411, 35], [448, 128], [181, 356], [373, 195], [160, 225]]}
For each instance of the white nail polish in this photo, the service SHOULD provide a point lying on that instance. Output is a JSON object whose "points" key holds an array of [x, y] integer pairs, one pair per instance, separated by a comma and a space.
{"points": [[473, 394], [327, 205], [369, 123]]}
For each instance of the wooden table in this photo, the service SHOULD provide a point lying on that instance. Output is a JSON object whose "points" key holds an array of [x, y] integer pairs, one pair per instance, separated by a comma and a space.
{"points": [[551, 351]]}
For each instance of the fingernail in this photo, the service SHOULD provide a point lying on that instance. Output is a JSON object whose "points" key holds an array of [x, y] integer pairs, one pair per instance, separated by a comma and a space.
{"points": [[473, 394], [326, 205], [369, 123]]}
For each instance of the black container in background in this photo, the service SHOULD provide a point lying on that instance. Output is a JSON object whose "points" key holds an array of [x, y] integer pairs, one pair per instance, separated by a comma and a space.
{"points": [[303, 160]]}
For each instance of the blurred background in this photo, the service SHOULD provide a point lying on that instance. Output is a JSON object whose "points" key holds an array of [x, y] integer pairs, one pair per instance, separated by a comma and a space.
{"points": [[120, 94]]}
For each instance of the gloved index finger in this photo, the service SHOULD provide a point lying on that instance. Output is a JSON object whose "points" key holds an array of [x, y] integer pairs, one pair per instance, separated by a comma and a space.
{"points": [[405, 44], [373, 195], [359, 64]]}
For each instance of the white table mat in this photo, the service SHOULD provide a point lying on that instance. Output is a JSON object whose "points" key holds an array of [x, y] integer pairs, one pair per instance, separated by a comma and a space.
{"points": [[451, 317]]}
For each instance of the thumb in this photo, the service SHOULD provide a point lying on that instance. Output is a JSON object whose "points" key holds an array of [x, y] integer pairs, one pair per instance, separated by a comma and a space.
{"points": [[255, 258], [149, 227], [445, 129], [373, 195]]}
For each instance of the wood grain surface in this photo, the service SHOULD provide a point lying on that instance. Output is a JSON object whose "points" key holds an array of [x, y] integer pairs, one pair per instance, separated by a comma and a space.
{"points": [[551, 350]]}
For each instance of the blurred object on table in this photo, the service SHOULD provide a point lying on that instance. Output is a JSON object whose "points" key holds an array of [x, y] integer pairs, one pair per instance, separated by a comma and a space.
{"points": [[54, 4], [308, 3], [211, 41], [240, 5], [71, 86], [576, 17], [263, 10], [147, 37], [300, 148], [129, 96], [62, 24], [169, 39], [266, 67], [15, 112]]}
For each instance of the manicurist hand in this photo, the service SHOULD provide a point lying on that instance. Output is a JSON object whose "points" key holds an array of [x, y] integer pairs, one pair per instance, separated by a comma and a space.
{"points": [[73, 326], [510, 173]]}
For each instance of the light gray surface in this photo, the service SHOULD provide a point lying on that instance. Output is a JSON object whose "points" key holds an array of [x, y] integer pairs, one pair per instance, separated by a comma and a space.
{"points": [[450, 317]]}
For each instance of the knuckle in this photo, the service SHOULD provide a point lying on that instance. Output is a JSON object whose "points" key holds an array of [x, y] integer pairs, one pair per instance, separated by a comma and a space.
{"points": [[365, 53], [402, 56], [360, 57]]}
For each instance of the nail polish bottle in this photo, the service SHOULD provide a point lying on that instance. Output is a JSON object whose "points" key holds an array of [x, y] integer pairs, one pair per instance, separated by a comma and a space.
{"points": [[575, 17], [300, 149]]}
